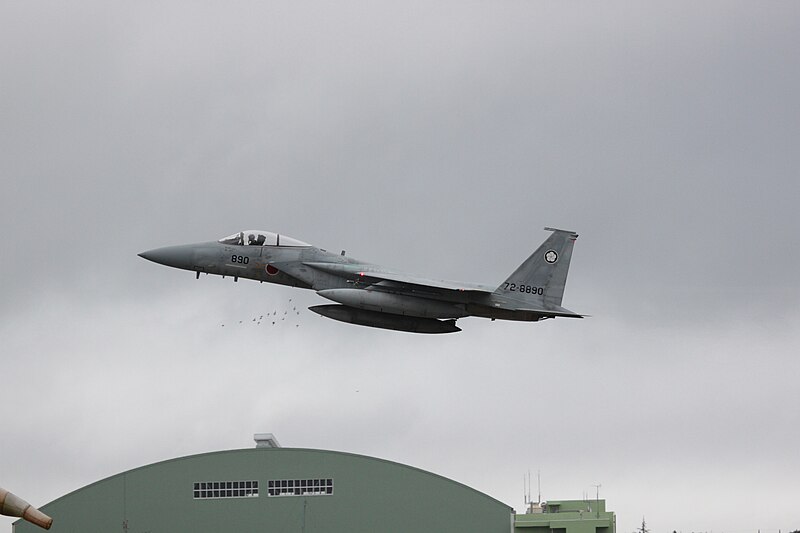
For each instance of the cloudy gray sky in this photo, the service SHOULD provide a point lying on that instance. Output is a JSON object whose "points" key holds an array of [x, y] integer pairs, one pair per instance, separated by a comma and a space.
{"points": [[438, 138]]}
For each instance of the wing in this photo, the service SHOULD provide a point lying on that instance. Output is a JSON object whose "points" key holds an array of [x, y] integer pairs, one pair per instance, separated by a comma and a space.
{"points": [[373, 275]]}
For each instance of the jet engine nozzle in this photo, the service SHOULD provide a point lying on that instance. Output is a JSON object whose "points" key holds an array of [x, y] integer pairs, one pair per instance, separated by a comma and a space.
{"points": [[13, 505]]}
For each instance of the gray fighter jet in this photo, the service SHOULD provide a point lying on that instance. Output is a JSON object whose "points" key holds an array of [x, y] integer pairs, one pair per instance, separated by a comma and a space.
{"points": [[371, 295]]}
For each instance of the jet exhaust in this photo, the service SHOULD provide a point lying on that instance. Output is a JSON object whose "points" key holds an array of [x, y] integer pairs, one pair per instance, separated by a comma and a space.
{"points": [[12, 505], [375, 319]]}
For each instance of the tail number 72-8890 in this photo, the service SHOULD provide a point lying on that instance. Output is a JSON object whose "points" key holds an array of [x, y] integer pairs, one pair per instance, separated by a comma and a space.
{"points": [[527, 289]]}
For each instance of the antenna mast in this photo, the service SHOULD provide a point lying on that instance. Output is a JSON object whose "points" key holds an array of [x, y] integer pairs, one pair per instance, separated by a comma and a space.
{"points": [[533, 507], [597, 500], [539, 486], [526, 488]]}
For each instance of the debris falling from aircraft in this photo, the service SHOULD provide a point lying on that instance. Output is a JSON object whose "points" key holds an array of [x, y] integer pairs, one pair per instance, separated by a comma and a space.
{"points": [[286, 319]]}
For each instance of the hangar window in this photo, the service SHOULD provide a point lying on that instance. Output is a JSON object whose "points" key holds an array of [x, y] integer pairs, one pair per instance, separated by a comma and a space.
{"points": [[300, 487], [225, 489]]}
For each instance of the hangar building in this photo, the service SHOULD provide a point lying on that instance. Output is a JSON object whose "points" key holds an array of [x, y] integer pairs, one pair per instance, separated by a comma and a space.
{"points": [[269, 488]]}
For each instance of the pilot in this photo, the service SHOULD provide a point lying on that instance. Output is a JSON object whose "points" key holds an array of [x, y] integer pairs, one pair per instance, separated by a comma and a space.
{"points": [[251, 240]]}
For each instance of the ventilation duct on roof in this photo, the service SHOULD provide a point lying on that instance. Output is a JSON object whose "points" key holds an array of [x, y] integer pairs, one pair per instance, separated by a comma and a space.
{"points": [[266, 440]]}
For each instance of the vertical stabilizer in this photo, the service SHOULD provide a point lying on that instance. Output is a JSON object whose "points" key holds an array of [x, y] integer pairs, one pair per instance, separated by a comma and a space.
{"points": [[540, 280]]}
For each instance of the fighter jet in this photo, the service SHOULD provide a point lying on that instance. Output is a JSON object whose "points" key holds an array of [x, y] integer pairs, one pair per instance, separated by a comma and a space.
{"points": [[375, 296]]}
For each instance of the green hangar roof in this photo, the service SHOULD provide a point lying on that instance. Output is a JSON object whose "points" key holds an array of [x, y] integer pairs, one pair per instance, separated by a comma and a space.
{"points": [[276, 489]]}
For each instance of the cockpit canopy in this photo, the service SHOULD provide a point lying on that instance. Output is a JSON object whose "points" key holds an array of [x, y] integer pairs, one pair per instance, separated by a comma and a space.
{"points": [[260, 238]]}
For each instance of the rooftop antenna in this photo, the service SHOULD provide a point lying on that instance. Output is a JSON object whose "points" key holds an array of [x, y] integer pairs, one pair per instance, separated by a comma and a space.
{"points": [[539, 485], [597, 499], [533, 507], [525, 488]]}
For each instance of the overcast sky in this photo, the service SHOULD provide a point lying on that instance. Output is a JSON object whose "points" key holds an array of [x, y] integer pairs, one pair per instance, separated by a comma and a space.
{"points": [[437, 138]]}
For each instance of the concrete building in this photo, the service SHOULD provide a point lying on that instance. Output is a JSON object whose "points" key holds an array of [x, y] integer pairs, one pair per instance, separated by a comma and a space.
{"points": [[269, 488], [566, 516]]}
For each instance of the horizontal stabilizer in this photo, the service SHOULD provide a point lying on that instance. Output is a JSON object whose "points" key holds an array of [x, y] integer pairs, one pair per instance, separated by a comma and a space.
{"points": [[564, 313]]}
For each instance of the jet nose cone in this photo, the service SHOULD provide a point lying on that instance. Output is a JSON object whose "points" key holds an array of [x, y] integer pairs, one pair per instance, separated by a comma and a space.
{"points": [[174, 256]]}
